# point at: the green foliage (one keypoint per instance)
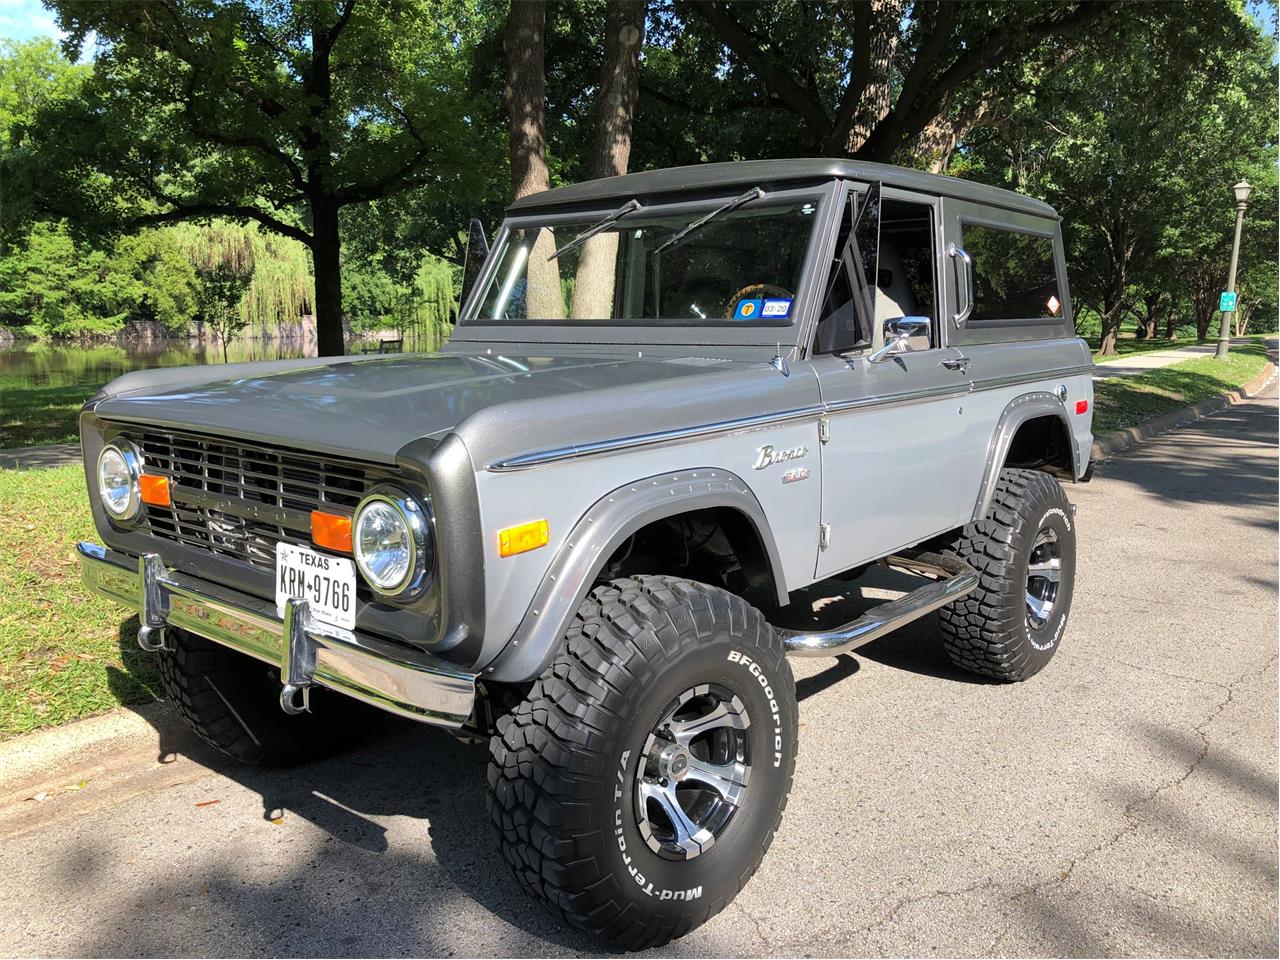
(51, 284)
(219, 294)
(281, 288)
(33, 75)
(1137, 146)
(422, 307)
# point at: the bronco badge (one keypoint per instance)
(769, 456)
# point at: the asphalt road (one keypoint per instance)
(1122, 802)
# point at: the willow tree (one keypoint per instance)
(280, 290)
(279, 113)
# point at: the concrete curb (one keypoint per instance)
(1117, 441)
(71, 769)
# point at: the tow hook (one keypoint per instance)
(299, 665)
(152, 639)
(151, 629)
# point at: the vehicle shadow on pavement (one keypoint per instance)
(1236, 468)
(371, 813)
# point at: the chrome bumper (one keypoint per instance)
(397, 679)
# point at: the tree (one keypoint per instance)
(221, 292)
(1126, 143)
(835, 67)
(282, 114)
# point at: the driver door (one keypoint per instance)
(894, 446)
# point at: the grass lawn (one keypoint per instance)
(64, 654)
(1123, 403)
(30, 416)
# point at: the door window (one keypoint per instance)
(893, 241)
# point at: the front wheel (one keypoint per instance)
(1024, 551)
(637, 787)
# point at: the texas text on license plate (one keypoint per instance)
(328, 583)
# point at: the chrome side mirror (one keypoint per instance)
(903, 335)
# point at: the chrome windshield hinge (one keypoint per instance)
(824, 429)
(824, 536)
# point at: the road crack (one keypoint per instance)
(1129, 814)
(1132, 823)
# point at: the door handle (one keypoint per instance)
(965, 275)
(960, 363)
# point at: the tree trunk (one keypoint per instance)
(1171, 323)
(940, 139)
(1112, 313)
(1244, 313)
(610, 149)
(877, 95)
(523, 42)
(326, 248)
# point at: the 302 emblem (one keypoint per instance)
(768, 455)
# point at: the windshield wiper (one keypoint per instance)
(755, 193)
(629, 207)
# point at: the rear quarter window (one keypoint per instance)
(1014, 275)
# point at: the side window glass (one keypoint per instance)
(1014, 275)
(905, 284)
(848, 307)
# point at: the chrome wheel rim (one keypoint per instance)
(1044, 577)
(693, 772)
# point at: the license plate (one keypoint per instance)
(328, 583)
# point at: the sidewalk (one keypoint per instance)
(1143, 362)
(31, 458)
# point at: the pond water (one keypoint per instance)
(27, 364)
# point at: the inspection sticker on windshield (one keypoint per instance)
(776, 309)
(328, 583)
(747, 309)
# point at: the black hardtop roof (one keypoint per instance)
(747, 173)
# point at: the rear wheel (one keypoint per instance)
(1024, 550)
(232, 702)
(637, 787)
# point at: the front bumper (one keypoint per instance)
(398, 679)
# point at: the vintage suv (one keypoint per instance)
(673, 399)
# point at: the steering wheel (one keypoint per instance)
(754, 291)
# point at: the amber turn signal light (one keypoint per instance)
(154, 490)
(524, 537)
(331, 531)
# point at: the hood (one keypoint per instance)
(367, 407)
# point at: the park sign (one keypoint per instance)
(1227, 301)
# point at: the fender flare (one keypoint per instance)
(1029, 406)
(597, 534)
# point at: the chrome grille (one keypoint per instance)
(238, 500)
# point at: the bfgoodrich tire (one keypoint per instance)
(637, 787)
(1024, 550)
(232, 702)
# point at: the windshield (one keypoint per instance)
(743, 267)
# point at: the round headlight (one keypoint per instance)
(118, 472)
(390, 539)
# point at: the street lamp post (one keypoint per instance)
(1242, 191)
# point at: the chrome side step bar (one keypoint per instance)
(954, 579)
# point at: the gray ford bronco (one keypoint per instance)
(672, 400)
